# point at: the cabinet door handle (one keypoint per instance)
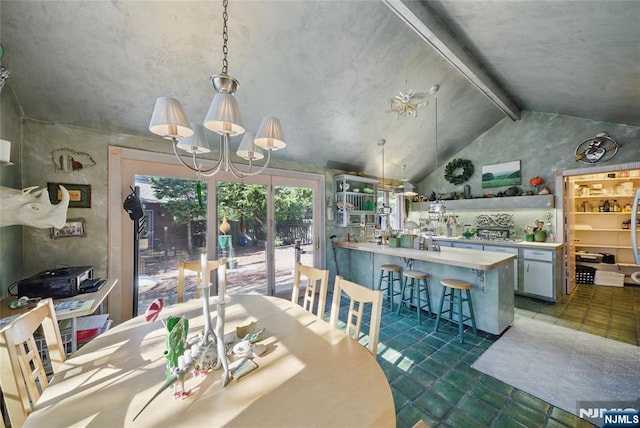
(527, 267)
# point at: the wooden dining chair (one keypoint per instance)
(316, 285)
(358, 295)
(196, 266)
(22, 372)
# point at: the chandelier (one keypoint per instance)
(170, 122)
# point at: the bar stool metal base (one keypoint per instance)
(453, 294)
(423, 285)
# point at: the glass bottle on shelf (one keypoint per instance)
(606, 206)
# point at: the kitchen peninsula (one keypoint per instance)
(491, 273)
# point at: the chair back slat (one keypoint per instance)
(220, 265)
(315, 285)
(358, 295)
(22, 375)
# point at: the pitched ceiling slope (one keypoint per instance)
(327, 69)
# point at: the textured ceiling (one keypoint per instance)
(327, 69)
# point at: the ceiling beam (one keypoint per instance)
(422, 20)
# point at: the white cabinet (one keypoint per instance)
(507, 250)
(355, 200)
(538, 276)
(467, 245)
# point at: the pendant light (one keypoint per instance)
(384, 210)
(436, 208)
(406, 189)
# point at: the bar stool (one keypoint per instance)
(390, 274)
(453, 294)
(423, 285)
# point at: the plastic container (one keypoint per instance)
(585, 274)
(612, 279)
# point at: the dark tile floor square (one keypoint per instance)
(431, 376)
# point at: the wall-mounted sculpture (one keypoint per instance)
(67, 160)
(31, 207)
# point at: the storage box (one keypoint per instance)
(585, 274)
(613, 279)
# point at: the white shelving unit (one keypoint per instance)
(593, 230)
(355, 200)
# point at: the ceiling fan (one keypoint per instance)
(408, 103)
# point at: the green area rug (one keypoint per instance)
(564, 367)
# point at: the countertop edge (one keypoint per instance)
(516, 244)
(447, 255)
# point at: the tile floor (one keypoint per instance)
(431, 377)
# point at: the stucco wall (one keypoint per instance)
(40, 139)
(543, 142)
(10, 236)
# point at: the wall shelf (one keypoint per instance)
(503, 203)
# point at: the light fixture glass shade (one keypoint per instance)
(248, 149)
(411, 225)
(223, 116)
(270, 135)
(407, 189)
(197, 143)
(168, 119)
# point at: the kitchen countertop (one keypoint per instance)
(471, 259)
(518, 244)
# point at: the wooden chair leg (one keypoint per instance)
(180, 284)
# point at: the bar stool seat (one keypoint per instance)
(390, 274)
(453, 294)
(423, 285)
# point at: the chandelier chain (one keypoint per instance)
(225, 38)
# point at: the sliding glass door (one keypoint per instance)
(242, 235)
(261, 224)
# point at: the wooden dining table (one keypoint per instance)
(311, 374)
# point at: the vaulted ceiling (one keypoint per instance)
(328, 69)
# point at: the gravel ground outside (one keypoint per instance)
(159, 275)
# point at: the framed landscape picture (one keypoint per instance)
(501, 174)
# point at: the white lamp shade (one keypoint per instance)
(5, 152)
(223, 116)
(248, 149)
(168, 119)
(196, 143)
(270, 136)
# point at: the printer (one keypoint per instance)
(55, 283)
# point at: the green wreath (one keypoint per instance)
(453, 166)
